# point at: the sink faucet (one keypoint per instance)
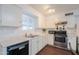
(26, 35)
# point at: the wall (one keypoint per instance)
(5, 30)
(51, 21)
(29, 9)
(25, 8)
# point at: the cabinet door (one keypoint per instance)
(71, 21)
(40, 43)
(34, 46)
(43, 41)
(30, 46)
(11, 15)
(50, 39)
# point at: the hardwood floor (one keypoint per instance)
(50, 50)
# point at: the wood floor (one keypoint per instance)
(50, 50)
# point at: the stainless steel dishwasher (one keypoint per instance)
(18, 49)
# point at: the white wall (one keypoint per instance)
(41, 18)
(25, 9)
(51, 22)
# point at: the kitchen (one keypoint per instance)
(25, 29)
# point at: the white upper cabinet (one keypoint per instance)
(10, 15)
(71, 21)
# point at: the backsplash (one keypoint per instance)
(6, 30)
(17, 31)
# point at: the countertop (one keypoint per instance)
(17, 37)
(11, 39)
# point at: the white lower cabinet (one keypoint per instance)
(36, 44)
(44, 41)
(30, 46)
(50, 39)
(39, 43)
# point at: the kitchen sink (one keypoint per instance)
(30, 36)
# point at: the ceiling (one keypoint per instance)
(59, 8)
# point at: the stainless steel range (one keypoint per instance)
(60, 38)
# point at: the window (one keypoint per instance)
(29, 22)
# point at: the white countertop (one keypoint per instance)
(13, 40)
(17, 37)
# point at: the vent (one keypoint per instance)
(69, 14)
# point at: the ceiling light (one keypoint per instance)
(46, 7)
(51, 10)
